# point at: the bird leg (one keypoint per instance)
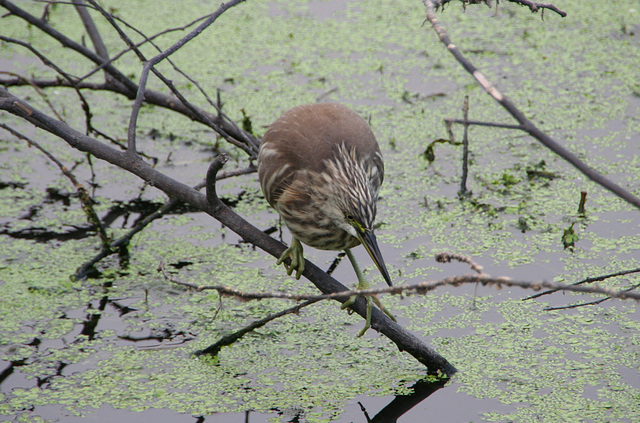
(297, 258)
(371, 299)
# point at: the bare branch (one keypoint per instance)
(233, 337)
(420, 288)
(49, 63)
(449, 257)
(68, 43)
(480, 123)
(535, 7)
(92, 30)
(123, 241)
(596, 302)
(525, 123)
(405, 341)
(145, 41)
(220, 124)
(149, 65)
(35, 86)
(246, 137)
(465, 149)
(587, 280)
(83, 195)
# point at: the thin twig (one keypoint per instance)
(581, 205)
(596, 302)
(449, 257)
(94, 34)
(535, 7)
(140, 44)
(233, 337)
(123, 241)
(127, 87)
(465, 148)
(68, 42)
(587, 280)
(35, 86)
(149, 66)
(83, 195)
(480, 123)
(248, 138)
(420, 288)
(68, 78)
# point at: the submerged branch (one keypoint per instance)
(532, 5)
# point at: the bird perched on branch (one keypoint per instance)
(321, 168)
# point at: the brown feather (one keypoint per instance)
(306, 136)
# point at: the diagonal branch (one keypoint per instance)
(68, 43)
(92, 30)
(525, 123)
(213, 206)
(83, 195)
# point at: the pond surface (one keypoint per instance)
(117, 346)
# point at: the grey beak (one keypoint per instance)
(368, 239)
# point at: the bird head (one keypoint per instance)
(352, 184)
(364, 233)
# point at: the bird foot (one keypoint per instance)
(297, 258)
(371, 299)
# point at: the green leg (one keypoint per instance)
(297, 258)
(371, 299)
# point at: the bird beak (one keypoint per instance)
(368, 239)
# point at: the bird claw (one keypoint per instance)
(383, 308)
(294, 252)
(371, 299)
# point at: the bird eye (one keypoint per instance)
(349, 217)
